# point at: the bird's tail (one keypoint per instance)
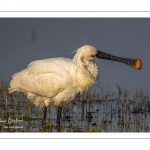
(11, 90)
(14, 83)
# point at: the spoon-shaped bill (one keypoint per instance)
(133, 62)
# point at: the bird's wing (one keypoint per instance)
(43, 77)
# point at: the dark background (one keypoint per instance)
(23, 40)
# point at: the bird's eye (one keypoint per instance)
(93, 55)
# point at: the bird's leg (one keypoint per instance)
(58, 115)
(45, 111)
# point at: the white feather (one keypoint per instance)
(57, 81)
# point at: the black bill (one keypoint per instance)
(133, 62)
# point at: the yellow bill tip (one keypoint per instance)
(138, 63)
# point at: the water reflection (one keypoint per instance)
(101, 112)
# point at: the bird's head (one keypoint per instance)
(86, 53)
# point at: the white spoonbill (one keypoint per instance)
(54, 82)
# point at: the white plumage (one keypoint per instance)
(55, 82)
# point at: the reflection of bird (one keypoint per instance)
(33, 35)
(54, 82)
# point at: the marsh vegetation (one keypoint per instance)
(99, 111)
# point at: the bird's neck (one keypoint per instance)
(85, 74)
